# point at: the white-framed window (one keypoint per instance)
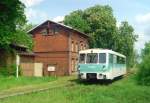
(72, 46)
(72, 65)
(84, 47)
(81, 46)
(56, 30)
(76, 47)
(44, 32)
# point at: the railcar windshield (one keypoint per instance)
(102, 58)
(82, 58)
(92, 58)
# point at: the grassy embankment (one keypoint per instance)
(13, 82)
(121, 91)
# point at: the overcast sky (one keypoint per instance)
(136, 12)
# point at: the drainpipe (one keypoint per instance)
(69, 60)
(17, 65)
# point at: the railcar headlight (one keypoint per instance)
(81, 74)
(78, 68)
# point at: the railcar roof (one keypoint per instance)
(98, 50)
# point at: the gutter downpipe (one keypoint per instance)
(69, 60)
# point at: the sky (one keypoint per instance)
(136, 12)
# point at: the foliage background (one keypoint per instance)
(100, 24)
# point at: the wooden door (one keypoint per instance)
(38, 69)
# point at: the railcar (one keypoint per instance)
(101, 64)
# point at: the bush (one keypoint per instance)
(9, 70)
(143, 74)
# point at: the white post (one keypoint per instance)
(17, 64)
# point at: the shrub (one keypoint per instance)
(143, 74)
(4, 71)
(9, 70)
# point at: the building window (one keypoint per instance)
(81, 46)
(84, 47)
(72, 65)
(50, 31)
(76, 47)
(45, 32)
(76, 63)
(72, 46)
(56, 30)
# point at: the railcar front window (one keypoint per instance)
(82, 58)
(102, 58)
(92, 58)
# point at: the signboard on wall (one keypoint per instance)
(51, 68)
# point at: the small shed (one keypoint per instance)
(21, 59)
(28, 66)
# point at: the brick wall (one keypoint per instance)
(54, 48)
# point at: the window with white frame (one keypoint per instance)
(72, 65)
(44, 32)
(56, 30)
(76, 47)
(72, 46)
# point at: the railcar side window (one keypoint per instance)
(102, 58)
(120, 60)
(123, 61)
(110, 58)
(115, 59)
(92, 58)
(82, 58)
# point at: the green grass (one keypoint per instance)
(121, 91)
(13, 82)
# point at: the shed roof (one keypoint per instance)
(27, 54)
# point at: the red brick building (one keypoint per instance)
(57, 46)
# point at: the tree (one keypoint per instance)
(143, 74)
(75, 19)
(21, 36)
(146, 50)
(11, 17)
(100, 24)
(125, 42)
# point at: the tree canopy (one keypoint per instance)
(12, 19)
(146, 50)
(143, 74)
(125, 42)
(100, 24)
(21, 36)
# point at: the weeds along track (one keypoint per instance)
(9, 93)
